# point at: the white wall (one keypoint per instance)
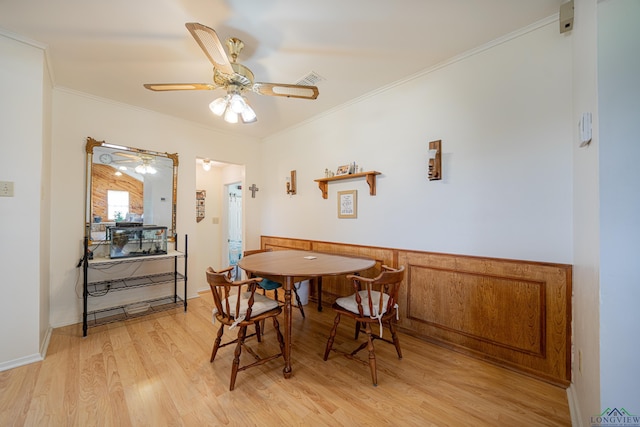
(22, 108)
(45, 209)
(585, 390)
(505, 120)
(77, 116)
(619, 109)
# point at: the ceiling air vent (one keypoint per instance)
(311, 79)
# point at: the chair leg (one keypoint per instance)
(276, 325)
(332, 336)
(372, 356)
(319, 286)
(216, 343)
(298, 301)
(394, 336)
(236, 356)
(259, 330)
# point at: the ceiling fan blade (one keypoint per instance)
(290, 91)
(210, 44)
(128, 155)
(161, 87)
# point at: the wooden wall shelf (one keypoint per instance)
(323, 183)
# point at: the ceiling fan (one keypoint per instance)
(234, 78)
(141, 163)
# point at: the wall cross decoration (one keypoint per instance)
(253, 190)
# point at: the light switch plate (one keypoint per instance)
(6, 189)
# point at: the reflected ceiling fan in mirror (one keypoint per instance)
(234, 78)
(139, 162)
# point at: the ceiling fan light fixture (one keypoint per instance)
(145, 169)
(235, 78)
(206, 165)
(230, 116)
(237, 103)
(248, 115)
(218, 106)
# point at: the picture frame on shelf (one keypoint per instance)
(343, 170)
(348, 204)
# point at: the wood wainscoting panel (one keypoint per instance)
(279, 243)
(478, 306)
(514, 313)
(510, 312)
(339, 286)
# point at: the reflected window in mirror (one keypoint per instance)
(129, 186)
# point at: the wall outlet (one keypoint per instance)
(6, 189)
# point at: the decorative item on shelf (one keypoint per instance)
(128, 240)
(137, 308)
(200, 196)
(343, 170)
(435, 160)
(291, 184)
(253, 190)
(348, 204)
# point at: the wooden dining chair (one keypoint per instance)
(271, 285)
(237, 305)
(373, 305)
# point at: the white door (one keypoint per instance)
(234, 222)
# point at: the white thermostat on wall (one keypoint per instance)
(584, 128)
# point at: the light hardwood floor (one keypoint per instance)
(155, 371)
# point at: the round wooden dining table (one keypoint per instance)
(294, 265)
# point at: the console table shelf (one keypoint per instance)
(323, 183)
(117, 314)
(100, 288)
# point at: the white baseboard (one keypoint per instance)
(574, 407)
(44, 345)
(5, 366)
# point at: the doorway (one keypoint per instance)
(233, 193)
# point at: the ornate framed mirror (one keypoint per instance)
(129, 186)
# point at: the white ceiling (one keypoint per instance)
(109, 48)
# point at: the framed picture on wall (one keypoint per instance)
(200, 196)
(348, 204)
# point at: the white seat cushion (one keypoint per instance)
(261, 304)
(349, 303)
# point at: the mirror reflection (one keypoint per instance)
(129, 187)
